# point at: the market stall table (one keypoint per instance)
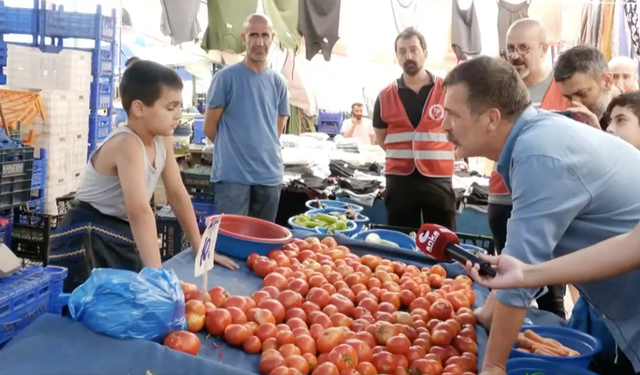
(56, 345)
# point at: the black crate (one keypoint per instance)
(465, 238)
(196, 180)
(65, 202)
(31, 233)
(16, 166)
(170, 235)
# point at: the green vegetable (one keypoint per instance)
(327, 218)
(389, 243)
(341, 225)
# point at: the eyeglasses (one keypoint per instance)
(522, 50)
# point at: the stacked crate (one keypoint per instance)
(63, 80)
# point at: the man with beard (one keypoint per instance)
(407, 121)
(358, 127)
(248, 109)
(526, 50)
(585, 80)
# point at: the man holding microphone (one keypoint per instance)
(572, 186)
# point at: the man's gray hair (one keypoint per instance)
(580, 59)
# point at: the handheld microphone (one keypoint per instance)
(442, 244)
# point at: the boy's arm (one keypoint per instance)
(129, 161)
(178, 197)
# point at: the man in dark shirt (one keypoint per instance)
(414, 198)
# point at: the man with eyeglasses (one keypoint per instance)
(526, 50)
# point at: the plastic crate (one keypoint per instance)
(37, 205)
(21, 107)
(170, 235)
(65, 202)
(197, 180)
(331, 128)
(31, 234)
(102, 63)
(26, 295)
(39, 172)
(101, 95)
(17, 20)
(99, 128)
(16, 165)
(465, 238)
(203, 209)
(6, 224)
(198, 130)
(57, 23)
(324, 116)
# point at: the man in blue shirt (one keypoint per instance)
(248, 109)
(572, 186)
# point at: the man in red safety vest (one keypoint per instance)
(407, 122)
(526, 50)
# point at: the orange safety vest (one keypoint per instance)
(425, 146)
(553, 100)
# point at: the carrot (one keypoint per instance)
(524, 342)
(537, 338)
(541, 351)
(562, 352)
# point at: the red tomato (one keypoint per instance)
(319, 296)
(236, 301)
(287, 350)
(384, 332)
(326, 368)
(420, 303)
(217, 321)
(344, 356)
(252, 345)
(299, 286)
(275, 307)
(269, 343)
(237, 316)
(264, 266)
(426, 366)
(441, 309)
(259, 296)
(416, 352)
(294, 323)
(306, 344)
(268, 364)
(363, 350)
(441, 337)
(384, 362)
(458, 300)
(263, 316)
(297, 362)
(218, 296)
(406, 297)
(367, 338)
(329, 339)
(236, 334)
(465, 345)
(195, 322)
(266, 331)
(285, 337)
(183, 341)
(309, 307)
(398, 345)
(275, 279)
(340, 320)
(370, 304)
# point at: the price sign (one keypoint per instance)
(204, 258)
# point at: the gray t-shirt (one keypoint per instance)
(538, 91)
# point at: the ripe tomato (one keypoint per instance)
(384, 331)
(194, 307)
(340, 320)
(285, 337)
(441, 337)
(236, 301)
(326, 368)
(236, 334)
(183, 341)
(426, 366)
(366, 368)
(263, 316)
(296, 323)
(252, 345)
(259, 296)
(415, 352)
(344, 356)
(218, 296)
(299, 286)
(406, 297)
(469, 332)
(217, 321)
(297, 362)
(370, 304)
(319, 296)
(458, 300)
(195, 322)
(264, 266)
(441, 309)
(266, 331)
(363, 350)
(367, 338)
(315, 330)
(269, 343)
(425, 344)
(329, 339)
(398, 344)
(384, 362)
(306, 344)
(465, 345)
(439, 270)
(275, 307)
(330, 310)
(268, 364)
(420, 303)
(275, 279)
(237, 316)
(287, 350)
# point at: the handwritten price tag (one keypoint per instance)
(204, 258)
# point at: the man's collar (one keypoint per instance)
(504, 161)
(402, 85)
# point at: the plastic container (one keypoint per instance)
(240, 236)
(586, 345)
(403, 240)
(352, 228)
(198, 130)
(531, 366)
(333, 204)
(361, 221)
(181, 140)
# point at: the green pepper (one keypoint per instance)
(327, 218)
(341, 225)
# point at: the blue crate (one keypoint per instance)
(39, 172)
(331, 128)
(26, 295)
(57, 23)
(17, 20)
(3, 54)
(101, 96)
(324, 116)
(203, 209)
(99, 128)
(198, 130)
(102, 63)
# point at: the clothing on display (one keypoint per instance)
(359, 186)
(310, 182)
(466, 40)
(226, 22)
(404, 13)
(549, 14)
(284, 15)
(319, 23)
(180, 20)
(508, 13)
(631, 13)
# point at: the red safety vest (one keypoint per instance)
(425, 146)
(553, 100)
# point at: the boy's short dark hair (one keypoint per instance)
(131, 61)
(144, 81)
(629, 100)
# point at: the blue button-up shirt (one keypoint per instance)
(573, 186)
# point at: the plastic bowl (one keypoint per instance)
(330, 203)
(293, 225)
(403, 240)
(352, 228)
(586, 345)
(240, 236)
(532, 366)
(361, 221)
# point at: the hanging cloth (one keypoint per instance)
(404, 13)
(585, 28)
(607, 30)
(631, 13)
(509, 13)
(465, 32)
(596, 25)
(319, 23)
(180, 20)
(549, 14)
(226, 19)
(284, 15)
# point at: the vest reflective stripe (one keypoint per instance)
(553, 100)
(425, 147)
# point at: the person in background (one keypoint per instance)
(247, 112)
(193, 108)
(358, 127)
(131, 61)
(572, 186)
(113, 210)
(121, 117)
(625, 73)
(624, 115)
(526, 50)
(407, 121)
(585, 80)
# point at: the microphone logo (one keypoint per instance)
(429, 239)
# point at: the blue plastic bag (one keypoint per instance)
(128, 305)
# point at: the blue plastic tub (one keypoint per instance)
(361, 221)
(586, 345)
(240, 236)
(352, 228)
(531, 366)
(403, 240)
(330, 203)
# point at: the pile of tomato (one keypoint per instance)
(326, 311)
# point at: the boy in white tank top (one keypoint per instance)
(119, 227)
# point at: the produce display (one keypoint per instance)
(323, 310)
(333, 221)
(531, 342)
(375, 239)
(317, 203)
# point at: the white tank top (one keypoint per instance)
(105, 194)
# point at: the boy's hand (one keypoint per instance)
(225, 262)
